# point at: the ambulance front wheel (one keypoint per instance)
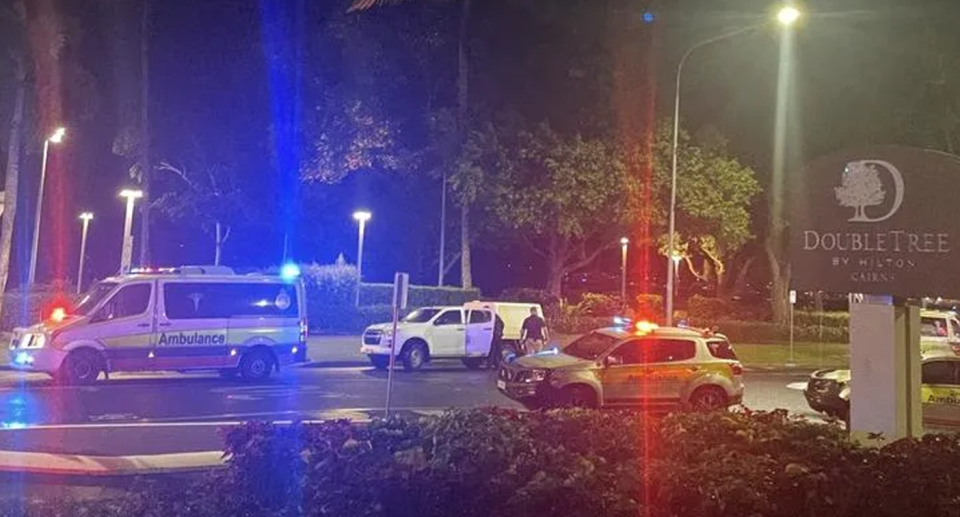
(82, 366)
(256, 365)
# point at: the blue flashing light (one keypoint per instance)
(23, 359)
(620, 321)
(13, 425)
(648, 17)
(290, 272)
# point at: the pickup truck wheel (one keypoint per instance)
(380, 362)
(415, 356)
(474, 363)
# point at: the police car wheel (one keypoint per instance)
(256, 366)
(81, 367)
(579, 397)
(708, 398)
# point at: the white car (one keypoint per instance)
(450, 332)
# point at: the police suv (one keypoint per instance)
(188, 318)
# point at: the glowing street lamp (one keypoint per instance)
(85, 219)
(361, 216)
(55, 138)
(624, 243)
(786, 17)
(126, 254)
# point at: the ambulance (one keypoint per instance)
(178, 319)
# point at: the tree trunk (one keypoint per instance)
(466, 273)
(780, 290)
(555, 271)
(218, 244)
(720, 275)
(145, 167)
(463, 77)
(11, 185)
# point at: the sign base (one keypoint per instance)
(885, 370)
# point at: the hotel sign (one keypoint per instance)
(877, 220)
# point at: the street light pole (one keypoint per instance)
(624, 242)
(126, 254)
(362, 216)
(55, 138)
(786, 16)
(85, 217)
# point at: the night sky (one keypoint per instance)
(211, 89)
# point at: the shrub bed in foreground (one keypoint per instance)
(572, 463)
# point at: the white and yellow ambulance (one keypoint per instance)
(188, 318)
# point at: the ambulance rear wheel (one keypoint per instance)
(81, 367)
(256, 366)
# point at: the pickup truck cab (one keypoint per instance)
(444, 332)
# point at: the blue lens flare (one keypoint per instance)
(290, 272)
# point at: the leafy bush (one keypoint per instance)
(495, 462)
(709, 308)
(418, 296)
(649, 306)
(600, 305)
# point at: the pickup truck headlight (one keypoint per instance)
(535, 375)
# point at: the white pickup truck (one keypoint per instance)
(450, 332)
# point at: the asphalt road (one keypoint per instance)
(169, 412)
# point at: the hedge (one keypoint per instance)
(491, 462)
(418, 295)
(760, 332)
(332, 291)
(24, 307)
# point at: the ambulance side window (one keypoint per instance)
(130, 300)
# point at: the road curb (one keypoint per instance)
(70, 465)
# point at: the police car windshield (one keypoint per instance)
(94, 296)
(421, 315)
(590, 346)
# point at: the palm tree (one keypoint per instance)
(463, 88)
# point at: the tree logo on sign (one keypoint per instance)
(861, 187)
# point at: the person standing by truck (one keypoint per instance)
(533, 333)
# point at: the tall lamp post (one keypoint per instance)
(126, 254)
(624, 243)
(54, 138)
(786, 16)
(361, 216)
(85, 219)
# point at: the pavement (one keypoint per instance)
(172, 422)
